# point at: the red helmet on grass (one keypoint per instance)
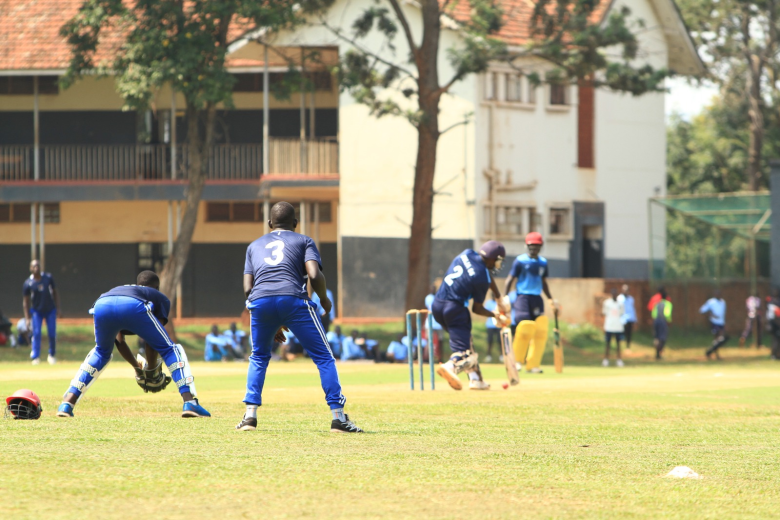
(23, 404)
(534, 238)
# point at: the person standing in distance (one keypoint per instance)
(467, 278)
(629, 313)
(275, 272)
(715, 308)
(41, 301)
(528, 277)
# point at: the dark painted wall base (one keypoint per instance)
(375, 272)
(627, 269)
(211, 283)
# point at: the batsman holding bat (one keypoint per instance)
(528, 277)
(468, 278)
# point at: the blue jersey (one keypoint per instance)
(161, 305)
(277, 261)
(40, 292)
(529, 273)
(466, 278)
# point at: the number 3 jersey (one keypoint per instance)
(466, 278)
(277, 261)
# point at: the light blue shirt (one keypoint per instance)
(629, 311)
(398, 350)
(529, 273)
(429, 305)
(335, 342)
(215, 347)
(716, 309)
(349, 350)
(234, 339)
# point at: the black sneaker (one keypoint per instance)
(347, 426)
(247, 424)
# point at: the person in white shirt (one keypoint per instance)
(629, 313)
(613, 325)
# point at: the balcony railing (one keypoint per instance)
(142, 162)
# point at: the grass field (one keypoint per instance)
(592, 442)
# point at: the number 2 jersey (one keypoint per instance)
(467, 278)
(277, 261)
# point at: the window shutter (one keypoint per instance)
(585, 126)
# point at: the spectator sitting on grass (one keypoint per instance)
(370, 347)
(22, 333)
(350, 349)
(397, 351)
(216, 346)
(236, 340)
(6, 334)
(335, 339)
(291, 348)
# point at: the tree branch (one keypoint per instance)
(365, 51)
(407, 30)
(454, 125)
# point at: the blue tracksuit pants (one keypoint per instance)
(300, 316)
(116, 313)
(37, 326)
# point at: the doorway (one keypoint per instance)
(592, 251)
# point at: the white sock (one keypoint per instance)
(251, 411)
(192, 401)
(473, 376)
(338, 413)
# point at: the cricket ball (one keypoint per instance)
(505, 386)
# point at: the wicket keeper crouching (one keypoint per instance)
(467, 277)
(133, 309)
(530, 272)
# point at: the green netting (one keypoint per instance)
(746, 214)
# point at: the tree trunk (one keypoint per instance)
(198, 151)
(756, 114)
(418, 279)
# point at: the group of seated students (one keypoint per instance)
(359, 346)
(231, 344)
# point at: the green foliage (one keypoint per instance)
(568, 34)
(183, 44)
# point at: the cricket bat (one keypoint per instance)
(558, 349)
(509, 356)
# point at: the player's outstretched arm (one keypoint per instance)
(124, 350)
(317, 280)
(510, 282)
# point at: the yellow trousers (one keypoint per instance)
(530, 342)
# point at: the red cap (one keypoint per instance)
(27, 395)
(534, 238)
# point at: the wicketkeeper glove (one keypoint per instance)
(152, 380)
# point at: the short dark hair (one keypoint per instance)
(147, 278)
(283, 213)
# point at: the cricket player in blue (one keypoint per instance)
(133, 309)
(41, 301)
(275, 279)
(468, 278)
(528, 277)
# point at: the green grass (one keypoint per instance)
(591, 442)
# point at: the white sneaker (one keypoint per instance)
(619, 362)
(519, 367)
(488, 359)
(476, 384)
(605, 363)
(536, 370)
(447, 372)
(52, 360)
(36, 361)
(500, 359)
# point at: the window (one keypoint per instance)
(51, 213)
(244, 212)
(511, 221)
(253, 82)
(514, 88)
(531, 93)
(152, 256)
(23, 85)
(491, 86)
(218, 212)
(20, 213)
(558, 94)
(560, 221)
